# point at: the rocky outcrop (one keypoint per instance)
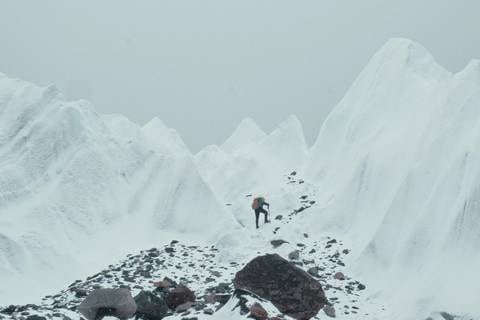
(289, 288)
(108, 302)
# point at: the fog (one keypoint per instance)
(202, 66)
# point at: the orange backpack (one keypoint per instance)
(255, 204)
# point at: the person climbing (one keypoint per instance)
(257, 206)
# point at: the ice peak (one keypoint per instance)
(292, 122)
(400, 53)
(471, 71)
(155, 122)
(247, 131)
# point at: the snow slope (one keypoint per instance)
(253, 166)
(396, 166)
(78, 189)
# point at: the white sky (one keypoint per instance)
(202, 66)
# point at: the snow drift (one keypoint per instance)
(78, 189)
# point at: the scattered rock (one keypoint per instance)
(9, 310)
(294, 255)
(329, 311)
(289, 288)
(339, 276)
(447, 316)
(277, 243)
(208, 311)
(35, 317)
(80, 293)
(115, 302)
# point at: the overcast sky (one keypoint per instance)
(202, 66)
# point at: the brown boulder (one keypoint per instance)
(289, 288)
(178, 296)
(257, 312)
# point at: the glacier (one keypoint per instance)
(394, 173)
(78, 189)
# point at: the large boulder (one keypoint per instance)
(108, 302)
(178, 296)
(150, 307)
(289, 288)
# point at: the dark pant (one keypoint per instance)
(257, 214)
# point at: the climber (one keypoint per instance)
(257, 206)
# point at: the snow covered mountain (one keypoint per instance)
(394, 175)
(396, 164)
(72, 179)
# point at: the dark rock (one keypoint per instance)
(35, 317)
(184, 307)
(9, 310)
(313, 271)
(361, 286)
(257, 312)
(115, 302)
(447, 316)
(289, 288)
(80, 293)
(279, 217)
(277, 243)
(242, 301)
(165, 283)
(222, 287)
(329, 311)
(294, 255)
(339, 276)
(178, 296)
(150, 307)
(208, 311)
(153, 254)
